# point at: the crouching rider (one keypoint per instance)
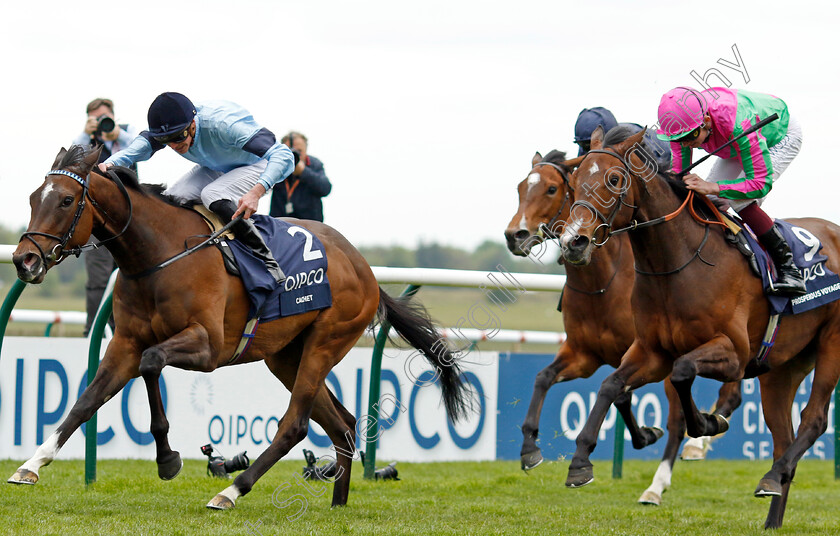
(747, 170)
(238, 161)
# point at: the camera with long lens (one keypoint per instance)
(219, 467)
(104, 125)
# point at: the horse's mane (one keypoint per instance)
(620, 133)
(555, 157)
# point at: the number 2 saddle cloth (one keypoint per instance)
(302, 258)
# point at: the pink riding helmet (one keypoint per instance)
(681, 110)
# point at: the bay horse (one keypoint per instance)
(698, 310)
(597, 317)
(191, 315)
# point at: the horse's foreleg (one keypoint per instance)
(580, 470)
(706, 360)
(188, 349)
(676, 430)
(567, 365)
(111, 376)
(729, 399)
(640, 436)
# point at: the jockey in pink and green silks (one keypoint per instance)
(747, 169)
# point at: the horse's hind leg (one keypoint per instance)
(322, 350)
(337, 422)
(779, 386)
(813, 423)
(188, 349)
(116, 369)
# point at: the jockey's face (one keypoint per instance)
(183, 146)
(704, 132)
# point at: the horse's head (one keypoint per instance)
(59, 220)
(544, 202)
(607, 185)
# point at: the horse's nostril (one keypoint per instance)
(30, 260)
(580, 242)
(521, 234)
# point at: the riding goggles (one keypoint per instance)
(178, 137)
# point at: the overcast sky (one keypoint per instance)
(425, 114)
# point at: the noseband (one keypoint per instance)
(58, 253)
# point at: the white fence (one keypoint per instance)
(389, 275)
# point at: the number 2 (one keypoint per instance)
(309, 254)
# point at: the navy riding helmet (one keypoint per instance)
(588, 120)
(170, 113)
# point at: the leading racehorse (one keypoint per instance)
(597, 318)
(191, 315)
(699, 310)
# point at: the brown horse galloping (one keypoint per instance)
(597, 317)
(191, 315)
(699, 310)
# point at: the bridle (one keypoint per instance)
(607, 221)
(58, 253)
(545, 229)
(635, 224)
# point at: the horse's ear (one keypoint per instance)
(58, 158)
(536, 159)
(627, 144)
(574, 162)
(91, 159)
(597, 140)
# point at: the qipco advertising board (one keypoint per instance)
(237, 409)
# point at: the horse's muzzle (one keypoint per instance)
(30, 267)
(517, 242)
(578, 251)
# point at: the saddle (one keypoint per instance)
(214, 222)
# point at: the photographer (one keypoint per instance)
(101, 129)
(300, 196)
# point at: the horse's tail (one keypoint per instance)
(413, 323)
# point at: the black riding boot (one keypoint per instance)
(247, 233)
(789, 282)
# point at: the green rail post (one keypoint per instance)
(373, 390)
(618, 448)
(96, 332)
(836, 432)
(8, 305)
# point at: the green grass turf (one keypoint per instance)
(707, 498)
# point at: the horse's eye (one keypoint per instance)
(67, 201)
(614, 180)
(552, 190)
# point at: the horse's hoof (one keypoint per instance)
(169, 469)
(722, 422)
(649, 497)
(23, 476)
(531, 460)
(649, 436)
(580, 477)
(220, 502)
(691, 453)
(768, 487)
